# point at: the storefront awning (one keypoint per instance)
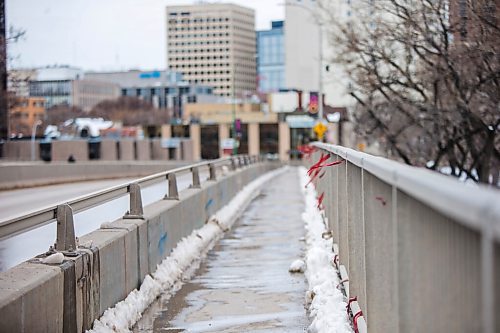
(302, 121)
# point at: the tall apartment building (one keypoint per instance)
(213, 44)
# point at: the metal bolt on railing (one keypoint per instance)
(65, 229)
(213, 175)
(196, 178)
(173, 193)
(136, 210)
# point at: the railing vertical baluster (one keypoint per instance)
(136, 210)
(213, 175)
(196, 177)
(233, 164)
(173, 193)
(65, 229)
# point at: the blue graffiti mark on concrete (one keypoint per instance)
(161, 243)
(210, 202)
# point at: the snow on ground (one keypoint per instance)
(328, 307)
(126, 313)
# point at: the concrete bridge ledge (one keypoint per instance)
(29, 294)
(69, 297)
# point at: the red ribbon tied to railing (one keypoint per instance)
(307, 150)
(320, 200)
(315, 170)
(355, 320)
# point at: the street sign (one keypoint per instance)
(320, 130)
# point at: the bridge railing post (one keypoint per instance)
(65, 229)
(136, 210)
(196, 177)
(233, 164)
(173, 193)
(212, 172)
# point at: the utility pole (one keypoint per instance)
(4, 112)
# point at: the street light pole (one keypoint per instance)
(33, 134)
(320, 74)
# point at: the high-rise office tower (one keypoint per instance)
(213, 44)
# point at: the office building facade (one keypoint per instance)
(67, 86)
(271, 58)
(302, 42)
(215, 45)
(163, 89)
(307, 30)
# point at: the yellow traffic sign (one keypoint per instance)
(320, 129)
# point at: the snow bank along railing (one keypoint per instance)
(112, 261)
(421, 250)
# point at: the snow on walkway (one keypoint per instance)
(126, 313)
(328, 307)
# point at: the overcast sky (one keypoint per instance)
(103, 34)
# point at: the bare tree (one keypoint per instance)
(131, 111)
(427, 86)
(58, 114)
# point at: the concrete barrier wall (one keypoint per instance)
(16, 175)
(157, 152)
(20, 150)
(109, 151)
(70, 296)
(143, 150)
(126, 150)
(61, 150)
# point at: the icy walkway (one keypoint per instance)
(244, 285)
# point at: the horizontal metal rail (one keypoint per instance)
(477, 207)
(411, 238)
(17, 225)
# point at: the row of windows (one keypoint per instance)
(35, 104)
(189, 50)
(222, 87)
(189, 58)
(195, 43)
(205, 72)
(50, 88)
(197, 20)
(246, 31)
(206, 27)
(210, 80)
(226, 34)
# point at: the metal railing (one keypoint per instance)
(63, 213)
(422, 250)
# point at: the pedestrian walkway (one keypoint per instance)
(244, 285)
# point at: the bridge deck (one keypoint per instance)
(244, 285)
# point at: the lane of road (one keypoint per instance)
(19, 202)
(22, 201)
(14, 203)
